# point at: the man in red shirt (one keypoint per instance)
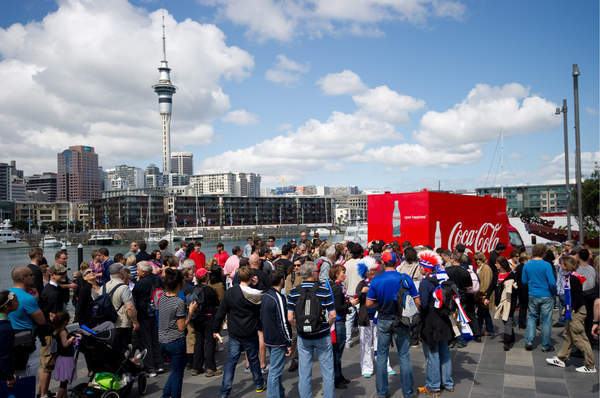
(198, 257)
(221, 254)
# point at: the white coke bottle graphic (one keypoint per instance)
(396, 221)
(438, 235)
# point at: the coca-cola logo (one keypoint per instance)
(482, 240)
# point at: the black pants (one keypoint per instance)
(123, 338)
(470, 312)
(147, 336)
(204, 339)
(523, 306)
(589, 319)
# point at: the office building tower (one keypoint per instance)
(78, 174)
(182, 163)
(45, 182)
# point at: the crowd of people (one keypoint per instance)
(307, 297)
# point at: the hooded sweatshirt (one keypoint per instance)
(241, 305)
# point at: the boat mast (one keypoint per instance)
(502, 165)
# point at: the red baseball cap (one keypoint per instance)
(201, 272)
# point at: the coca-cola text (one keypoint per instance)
(482, 240)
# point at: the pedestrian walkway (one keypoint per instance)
(481, 370)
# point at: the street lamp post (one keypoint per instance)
(564, 112)
(578, 154)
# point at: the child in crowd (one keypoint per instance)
(65, 369)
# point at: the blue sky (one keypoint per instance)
(397, 97)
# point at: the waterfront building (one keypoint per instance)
(17, 191)
(42, 184)
(228, 183)
(182, 163)
(535, 199)
(165, 90)
(338, 191)
(77, 174)
(5, 185)
(51, 211)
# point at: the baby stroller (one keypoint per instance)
(112, 372)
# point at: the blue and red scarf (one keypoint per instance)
(568, 299)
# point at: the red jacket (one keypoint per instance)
(199, 259)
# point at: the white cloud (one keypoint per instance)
(334, 167)
(483, 114)
(240, 117)
(387, 105)
(517, 156)
(591, 111)
(285, 19)
(84, 72)
(286, 71)
(313, 146)
(346, 82)
(285, 126)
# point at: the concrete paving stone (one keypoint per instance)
(548, 371)
(544, 387)
(520, 370)
(488, 381)
(519, 392)
(519, 381)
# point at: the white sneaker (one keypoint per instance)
(585, 369)
(152, 374)
(265, 370)
(556, 362)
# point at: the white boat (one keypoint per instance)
(194, 235)
(324, 232)
(50, 241)
(226, 236)
(65, 242)
(357, 233)
(153, 237)
(101, 239)
(8, 239)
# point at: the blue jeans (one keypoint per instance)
(176, 350)
(338, 351)
(438, 371)
(277, 359)
(306, 350)
(560, 303)
(540, 307)
(402, 338)
(352, 311)
(250, 345)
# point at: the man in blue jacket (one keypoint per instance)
(276, 331)
(538, 275)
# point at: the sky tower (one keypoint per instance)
(165, 90)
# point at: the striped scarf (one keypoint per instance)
(568, 298)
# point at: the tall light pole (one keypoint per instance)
(578, 154)
(564, 112)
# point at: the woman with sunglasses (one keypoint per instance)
(87, 293)
(8, 303)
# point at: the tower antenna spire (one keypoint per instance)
(163, 37)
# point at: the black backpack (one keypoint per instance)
(408, 313)
(197, 295)
(448, 290)
(102, 307)
(310, 315)
(264, 267)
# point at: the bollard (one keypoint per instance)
(79, 253)
(63, 248)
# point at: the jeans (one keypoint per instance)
(352, 311)
(338, 351)
(203, 330)
(250, 345)
(176, 350)
(306, 350)
(277, 359)
(540, 307)
(438, 370)
(560, 303)
(402, 338)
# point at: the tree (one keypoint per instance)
(21, 225)
(590, 203)
(55, 225)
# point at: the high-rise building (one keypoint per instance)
(78, 174)
(228, 183)
(5, 171)
(182, 163)
(133, 175)
(46, 182)
(152, 170)
(102, 176)
(165, 90)
(14, 172)
(18, 193)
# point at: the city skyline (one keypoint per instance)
(395, 102)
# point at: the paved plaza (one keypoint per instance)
(481, 370)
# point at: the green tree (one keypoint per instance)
(55, 225)
(590, 203)
(21, 225)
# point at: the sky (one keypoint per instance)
(394, 95)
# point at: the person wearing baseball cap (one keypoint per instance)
(382, 295)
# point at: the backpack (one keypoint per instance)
(197, 295)
(444, 294)
(265, 266)
(154, 299)
(475, 280)
(309, 313)
(102, 307)
(408, 313)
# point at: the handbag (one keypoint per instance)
(23, 347)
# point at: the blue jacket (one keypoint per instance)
(106, 270)
(538, 275)
(276, 329)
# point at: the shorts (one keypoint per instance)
(47, 360)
